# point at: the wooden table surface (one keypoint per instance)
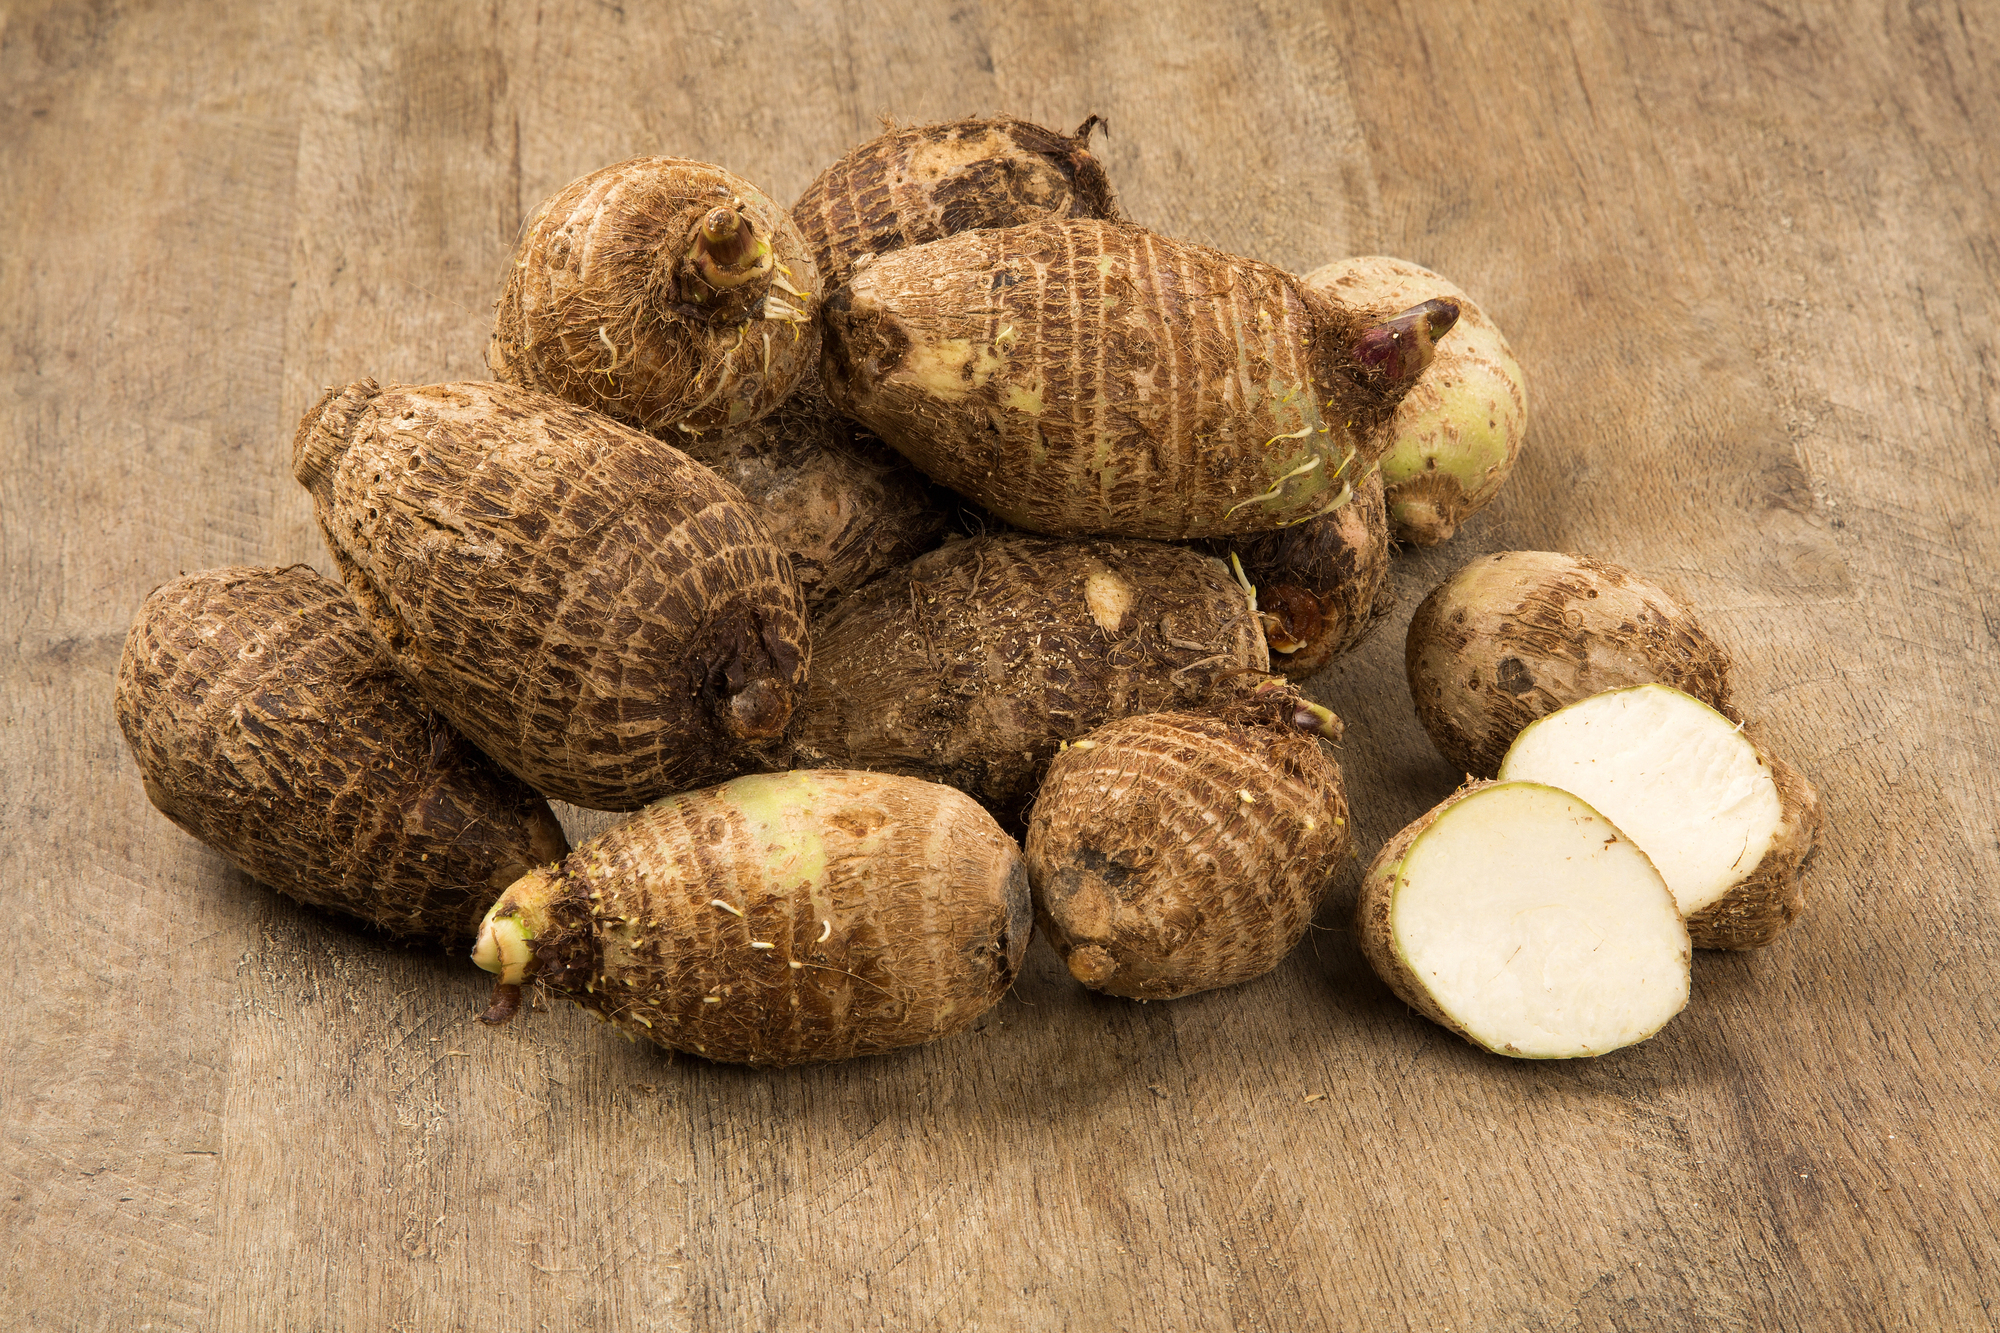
(1747, 256)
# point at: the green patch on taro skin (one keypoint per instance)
(777, 806)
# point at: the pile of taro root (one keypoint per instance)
(931, 564)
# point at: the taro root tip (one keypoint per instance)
(1318, 719)
(1399, 348)
(503, 946)
(327, 430)
(726, 252)
(724, 236)
(757, 712)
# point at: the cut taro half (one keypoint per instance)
(1525, 921)
(1728, 825)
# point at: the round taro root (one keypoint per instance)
(1728, 824)
(1322, 586)
(843, 505)
(909, 186)
(1176, 852)
(1457, 433)
(1516, 635)
(776, 919)
(1080, 376)
(1526, 922)
(974, 662)
(600, 613)
(267, 723)
(672, 295)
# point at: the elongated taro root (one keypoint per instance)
(1177, 852)
(843, 505)
(267, 723)
(672, 295)
(776, 919)
(1728, 824)
(971, 665)
(927, 182)
(1516, 635)
(1322, 585)
(1455, 437)
(1527, 923)
(602, 614)
(1090, 377)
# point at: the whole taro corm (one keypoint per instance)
(670, 294)
(602, 614)
(268, 723)
(910, 186)
(1081, 377)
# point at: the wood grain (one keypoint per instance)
(1748, 259)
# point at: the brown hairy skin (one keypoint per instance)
(895, 912)
(1373, 927)
(1322, 586)
(844, 506)
(1081, 376)
(267, 723)
(606, 306)
(600, 613)
(971, 665)
(1755, 911)
(927, 182)
(1178, 852)
(1514, 636)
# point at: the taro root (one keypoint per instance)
(1455, 436)
(972, 664)
(600, 613)
(1514, 636)
(1081, 376)
(1176, 852)
(267, 723)
(1322, 585)
(843, 505)
(672, 295)
(1728, 824)
(1526, 922)
(927, 182)
(776, 919)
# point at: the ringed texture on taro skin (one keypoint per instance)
(670, 294)
(927, 182)
(1079, 376)
(974, 662)
(1181, 851)
(600, 613)
(776, 919)
(268, 723)
(844, 506)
